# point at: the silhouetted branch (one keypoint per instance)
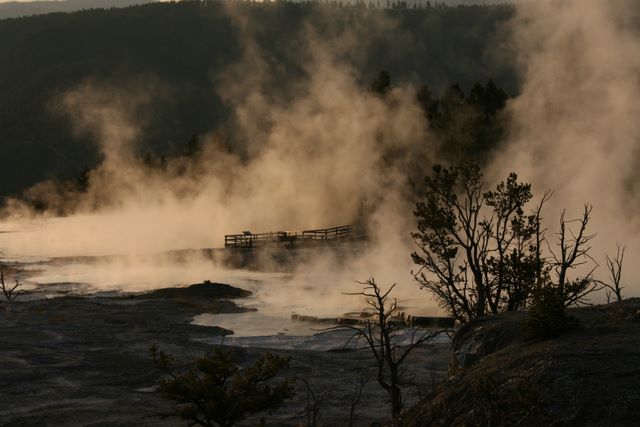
(379, 332)
(614, 266)
(11, 292)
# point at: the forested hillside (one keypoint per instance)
(183, 47)
(16, 9)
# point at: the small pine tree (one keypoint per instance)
(217, 392)
(548, 316)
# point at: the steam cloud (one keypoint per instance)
(308, 161)
(309, 158)
(575, 127)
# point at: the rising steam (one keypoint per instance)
(307, 159)
(575, 127)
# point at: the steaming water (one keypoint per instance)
(70, 255)
(319, 340)
(275, 296)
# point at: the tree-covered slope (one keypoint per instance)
(16, 9)
(183, 47)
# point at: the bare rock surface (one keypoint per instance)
(589, 376)
(84, 361)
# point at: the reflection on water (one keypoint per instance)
(311, 339)
(256, 324)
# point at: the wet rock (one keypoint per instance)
(73, 361)
(206, 290)
(80, 360)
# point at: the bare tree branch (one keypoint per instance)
(614, 266)
(380, 334)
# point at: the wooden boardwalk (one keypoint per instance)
(251, 240)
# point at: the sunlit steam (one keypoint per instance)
(307, 161)
(575, 127)
(309, 158)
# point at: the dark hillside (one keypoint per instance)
(587, 377)
(182, 47)
(16, 9)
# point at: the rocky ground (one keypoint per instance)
(589, 376)
(85, 361)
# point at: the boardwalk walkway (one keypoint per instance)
(251, 240)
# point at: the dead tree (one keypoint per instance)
(379, 333)
(11, 292)
(314, 403)
(548, 316)
(614, 266)
(356, 396)
(573, 252)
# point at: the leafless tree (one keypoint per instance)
(572, 252)
(548, 316)
(314, 403)
(434, 377)
(427, 387)
(614, 266)
(356, 396)
(379, 332)
(11, 292)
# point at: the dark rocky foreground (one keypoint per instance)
(85, 361)
(587, 377)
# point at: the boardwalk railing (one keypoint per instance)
(328, 233)
(249, 240)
